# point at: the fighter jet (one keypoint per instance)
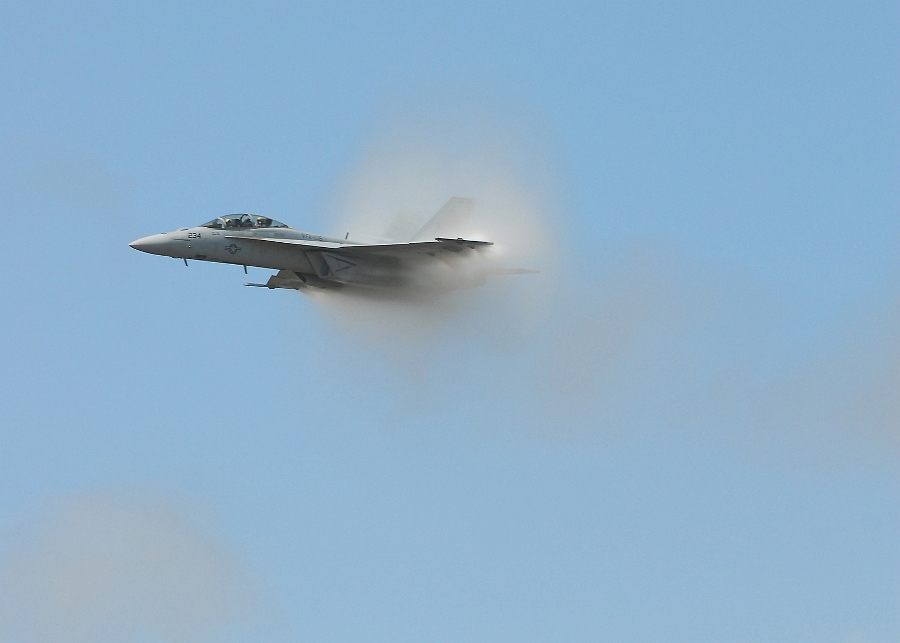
(304, 260)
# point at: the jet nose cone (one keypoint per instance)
(154, 244)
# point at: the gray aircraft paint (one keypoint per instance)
(307, 260)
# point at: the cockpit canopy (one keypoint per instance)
(243, 221)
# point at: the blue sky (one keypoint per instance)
(686, 430)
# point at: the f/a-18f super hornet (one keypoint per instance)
(305, 260)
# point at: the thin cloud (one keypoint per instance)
(102, 567)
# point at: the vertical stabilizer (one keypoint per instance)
(448, 222)
(403, 226)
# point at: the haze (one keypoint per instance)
(684, 427)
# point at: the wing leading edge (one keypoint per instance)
(395, 249)
(331, 264)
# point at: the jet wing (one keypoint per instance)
(440, 244)
(310, 245)
(378, 264)
(399, 250)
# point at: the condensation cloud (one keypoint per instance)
(632, 339)
(403, 176)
